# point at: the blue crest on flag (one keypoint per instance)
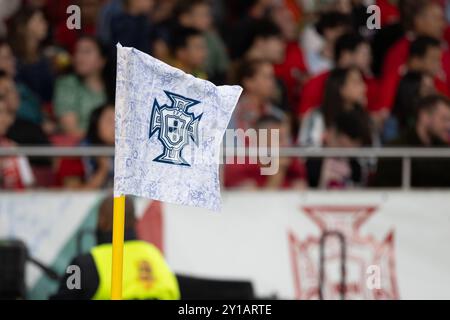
(175, 126)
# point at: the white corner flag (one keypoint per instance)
(169, 127)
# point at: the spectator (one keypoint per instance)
(431, 130)
(54, 10)
(162, 19)
(266, 43)
(29, 30)
(91, 173)
(24, 132)
(360, 16)
(349, 130)
(20, 131)
(350, 50)
(249, 12)
(258, 80)
(331, 25)
(15, 171)
(30, 107)
(99, 173)
(7, 59)
(345, 90)
(413, 86)
(419, 18)
(107, 12)
(293, 70)
(197, 14)
(424, 56)
(77, 94)
(189, 51)
(148, 275)
(7, 9)
(284, 55)
(423, 17)
(291, 171)
(131, 27)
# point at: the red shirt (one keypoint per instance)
(390, 85)
(235, 175)
(15, 172)
(291, 70)
(396, 57)
(394, 68)
(389, 11)
(68, 167)
(314, 89)
(312, 93)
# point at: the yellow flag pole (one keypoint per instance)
(117, 247)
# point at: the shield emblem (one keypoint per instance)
(175, 125)
(175, 129)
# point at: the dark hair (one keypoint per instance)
(106, 213)
(3, 74)
(347, 42)
(410, 9)
(333, 102)
(429, 103)
(102, 47)
(92, 135)
(247, 69)
(181, 36)
(185, 6)
(408, 95)
(420, 46)
(257, 29)
(331, 20)
(17, 36)
(243, 7)
(3, 42)
(264, 28)
(354, 124)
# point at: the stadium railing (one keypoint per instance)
(406, 154)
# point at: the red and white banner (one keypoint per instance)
(395, 244)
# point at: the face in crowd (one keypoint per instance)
(106, 126)
(195, 52)
(88, 59)
(262, 82)
(436, 123)
(5, 118)
(7, 60)
(431, 21)
(354, 89)
(9, 94)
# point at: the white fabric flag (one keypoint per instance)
(169, 127)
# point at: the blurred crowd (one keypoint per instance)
(312, 69)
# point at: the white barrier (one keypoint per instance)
(397, 240)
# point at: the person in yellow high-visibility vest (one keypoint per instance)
(146, 275)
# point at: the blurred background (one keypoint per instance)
(362, 109)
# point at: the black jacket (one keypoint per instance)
(89, 275)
